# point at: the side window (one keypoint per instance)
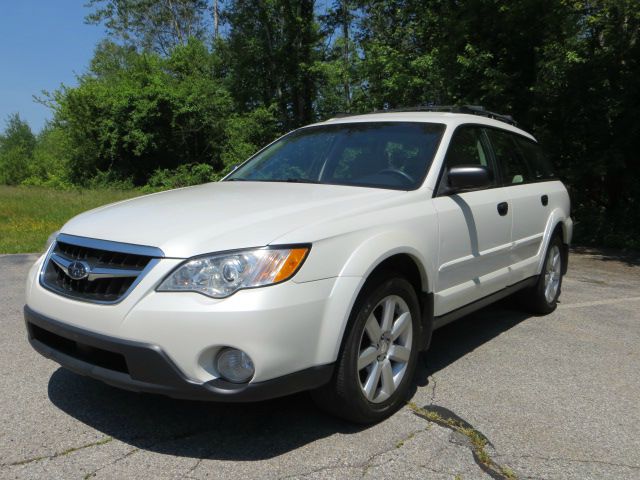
(510, 161)
(538, 163)
(467, 147)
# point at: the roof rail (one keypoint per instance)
(344, 114)
(469, 109)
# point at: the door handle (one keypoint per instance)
(503, 208)
(545, 200)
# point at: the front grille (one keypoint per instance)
(108, 289)
(86, 353)
(102, 257)
(112, 269)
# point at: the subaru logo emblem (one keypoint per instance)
(78, 270)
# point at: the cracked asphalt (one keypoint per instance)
(556, 397)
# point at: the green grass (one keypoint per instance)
(28, 215)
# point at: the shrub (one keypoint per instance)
(108, 180)
(182, 176)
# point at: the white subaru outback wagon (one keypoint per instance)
(322, 263)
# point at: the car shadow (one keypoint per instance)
(224, 431)
(455, 340)
(252, 431)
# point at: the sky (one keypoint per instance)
(43, 43)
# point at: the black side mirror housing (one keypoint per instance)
(467, 177)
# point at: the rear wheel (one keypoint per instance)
(377, 362)
(543, 297)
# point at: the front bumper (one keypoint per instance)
(144, 367)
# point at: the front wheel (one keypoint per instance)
(377, 362)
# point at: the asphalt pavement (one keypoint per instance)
(553, 397)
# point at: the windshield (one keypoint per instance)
(392, 155)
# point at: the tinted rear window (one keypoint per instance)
(539, 164)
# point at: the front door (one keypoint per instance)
(474, 229)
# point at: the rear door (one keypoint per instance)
(474, 231)
(529, 201)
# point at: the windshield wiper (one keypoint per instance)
(296, 180)
(280, 180)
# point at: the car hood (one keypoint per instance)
(222, 216)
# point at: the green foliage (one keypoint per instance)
(247, 133)
(183, 176)
(16, 151)
(338, 68)
(139, 112)
(243, 136)
(108, 180)
(49, 163)
(157, 25)
(135, 113)
(587, 94)
(271, 51)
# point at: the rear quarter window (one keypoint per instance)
(539, 164)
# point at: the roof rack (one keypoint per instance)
(469, 109)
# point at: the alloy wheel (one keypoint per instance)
(553, 273)
(385, 348)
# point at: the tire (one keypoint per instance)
(377, 361)
(542, 298)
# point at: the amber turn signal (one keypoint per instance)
(290, 265)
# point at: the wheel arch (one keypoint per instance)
(411, 269)
(558, 224)
(405, 261)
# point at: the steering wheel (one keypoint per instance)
(395, 171)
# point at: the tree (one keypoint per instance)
(151, 25)
(588, 96)
(339, 65)
(17, 144)
(49, 165)
(271, 51)
(136, 112)
(216, 20)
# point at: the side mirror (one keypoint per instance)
(468, 177)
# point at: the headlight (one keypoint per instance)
(221, 275)
(51, 239)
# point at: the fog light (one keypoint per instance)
(234, 365)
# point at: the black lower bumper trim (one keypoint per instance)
(143, 367)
